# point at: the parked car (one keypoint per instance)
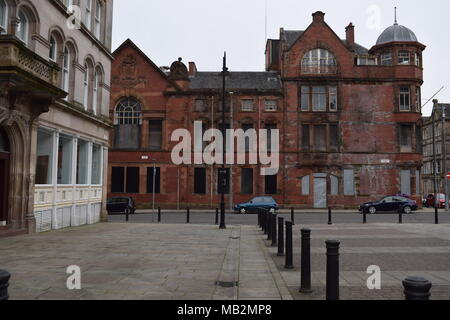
(121, 205)
(265, 203)
(390, 204)
(429, 201)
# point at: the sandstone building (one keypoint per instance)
(54, 100)
(349, 121)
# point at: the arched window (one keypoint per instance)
(23, 27)
(95, 93)
(128, 112)
(53, 49)
(66, 71)
(319, 61)
(128, 120)
(3, 17)
(86, 86)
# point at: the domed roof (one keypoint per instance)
(397, 33)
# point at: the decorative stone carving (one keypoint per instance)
(129, 77)
(178, 70)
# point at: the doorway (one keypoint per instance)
(4, 177)
(320, 193)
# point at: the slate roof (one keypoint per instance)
(236, 80)
(290, 36)
(396, 33)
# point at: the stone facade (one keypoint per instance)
(54, 113)
(428, 154)
(348, 117)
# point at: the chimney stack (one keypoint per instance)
(319, 17)
(350, 35)
(192, 69)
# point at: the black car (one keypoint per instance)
(390, 204)
(121, 205)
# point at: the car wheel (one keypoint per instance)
(372, 210)
(243, 211)
(407, 210)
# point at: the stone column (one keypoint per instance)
(105, 175)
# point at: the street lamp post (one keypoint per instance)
(222, 176)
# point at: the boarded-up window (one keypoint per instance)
(132, 180)
(200, 181)
(349, 182)
(419, 141)
(247, 181)
(305, 185)
(406, 182)
(334, 188)
(156, 175)
(269, 128)
(155, 130)
(118, 180)
(334, 138)
(305, 138)
(271, 184)
(405, 138)
(320, 140)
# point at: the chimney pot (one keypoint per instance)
(192, 69)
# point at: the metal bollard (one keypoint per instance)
(269, 225)
(400, 217)
(274, 230)
(293, 216)
(127, 215)
(305, 280)
(417, 288)
(289, 254)
(332, 269)
(364, 217)
(188, 215)
(264, 221)
(217, 216)
(4, 284)
(280, 237)
(159, 215)
(436, 215)
(330, 219)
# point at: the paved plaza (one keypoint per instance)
(199, 262)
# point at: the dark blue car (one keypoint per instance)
(265, 203)
(390, 204)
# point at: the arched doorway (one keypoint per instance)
(4, 176)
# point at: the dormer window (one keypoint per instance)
(403, 57)
(319, 61)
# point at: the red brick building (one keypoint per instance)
(349, 121)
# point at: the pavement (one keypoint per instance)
(145, 261)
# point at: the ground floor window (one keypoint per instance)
(117, 180)
(305, 185)
(44, 161)
(153, 174)
(65, 150)
(132, 180)
(349, 182)
(405, 177)
(96, 165)
(271, 184)
(247, 181)
(200, 181)
(82, 162)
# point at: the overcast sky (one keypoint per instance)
(201, 30)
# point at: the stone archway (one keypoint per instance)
(4, 177)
